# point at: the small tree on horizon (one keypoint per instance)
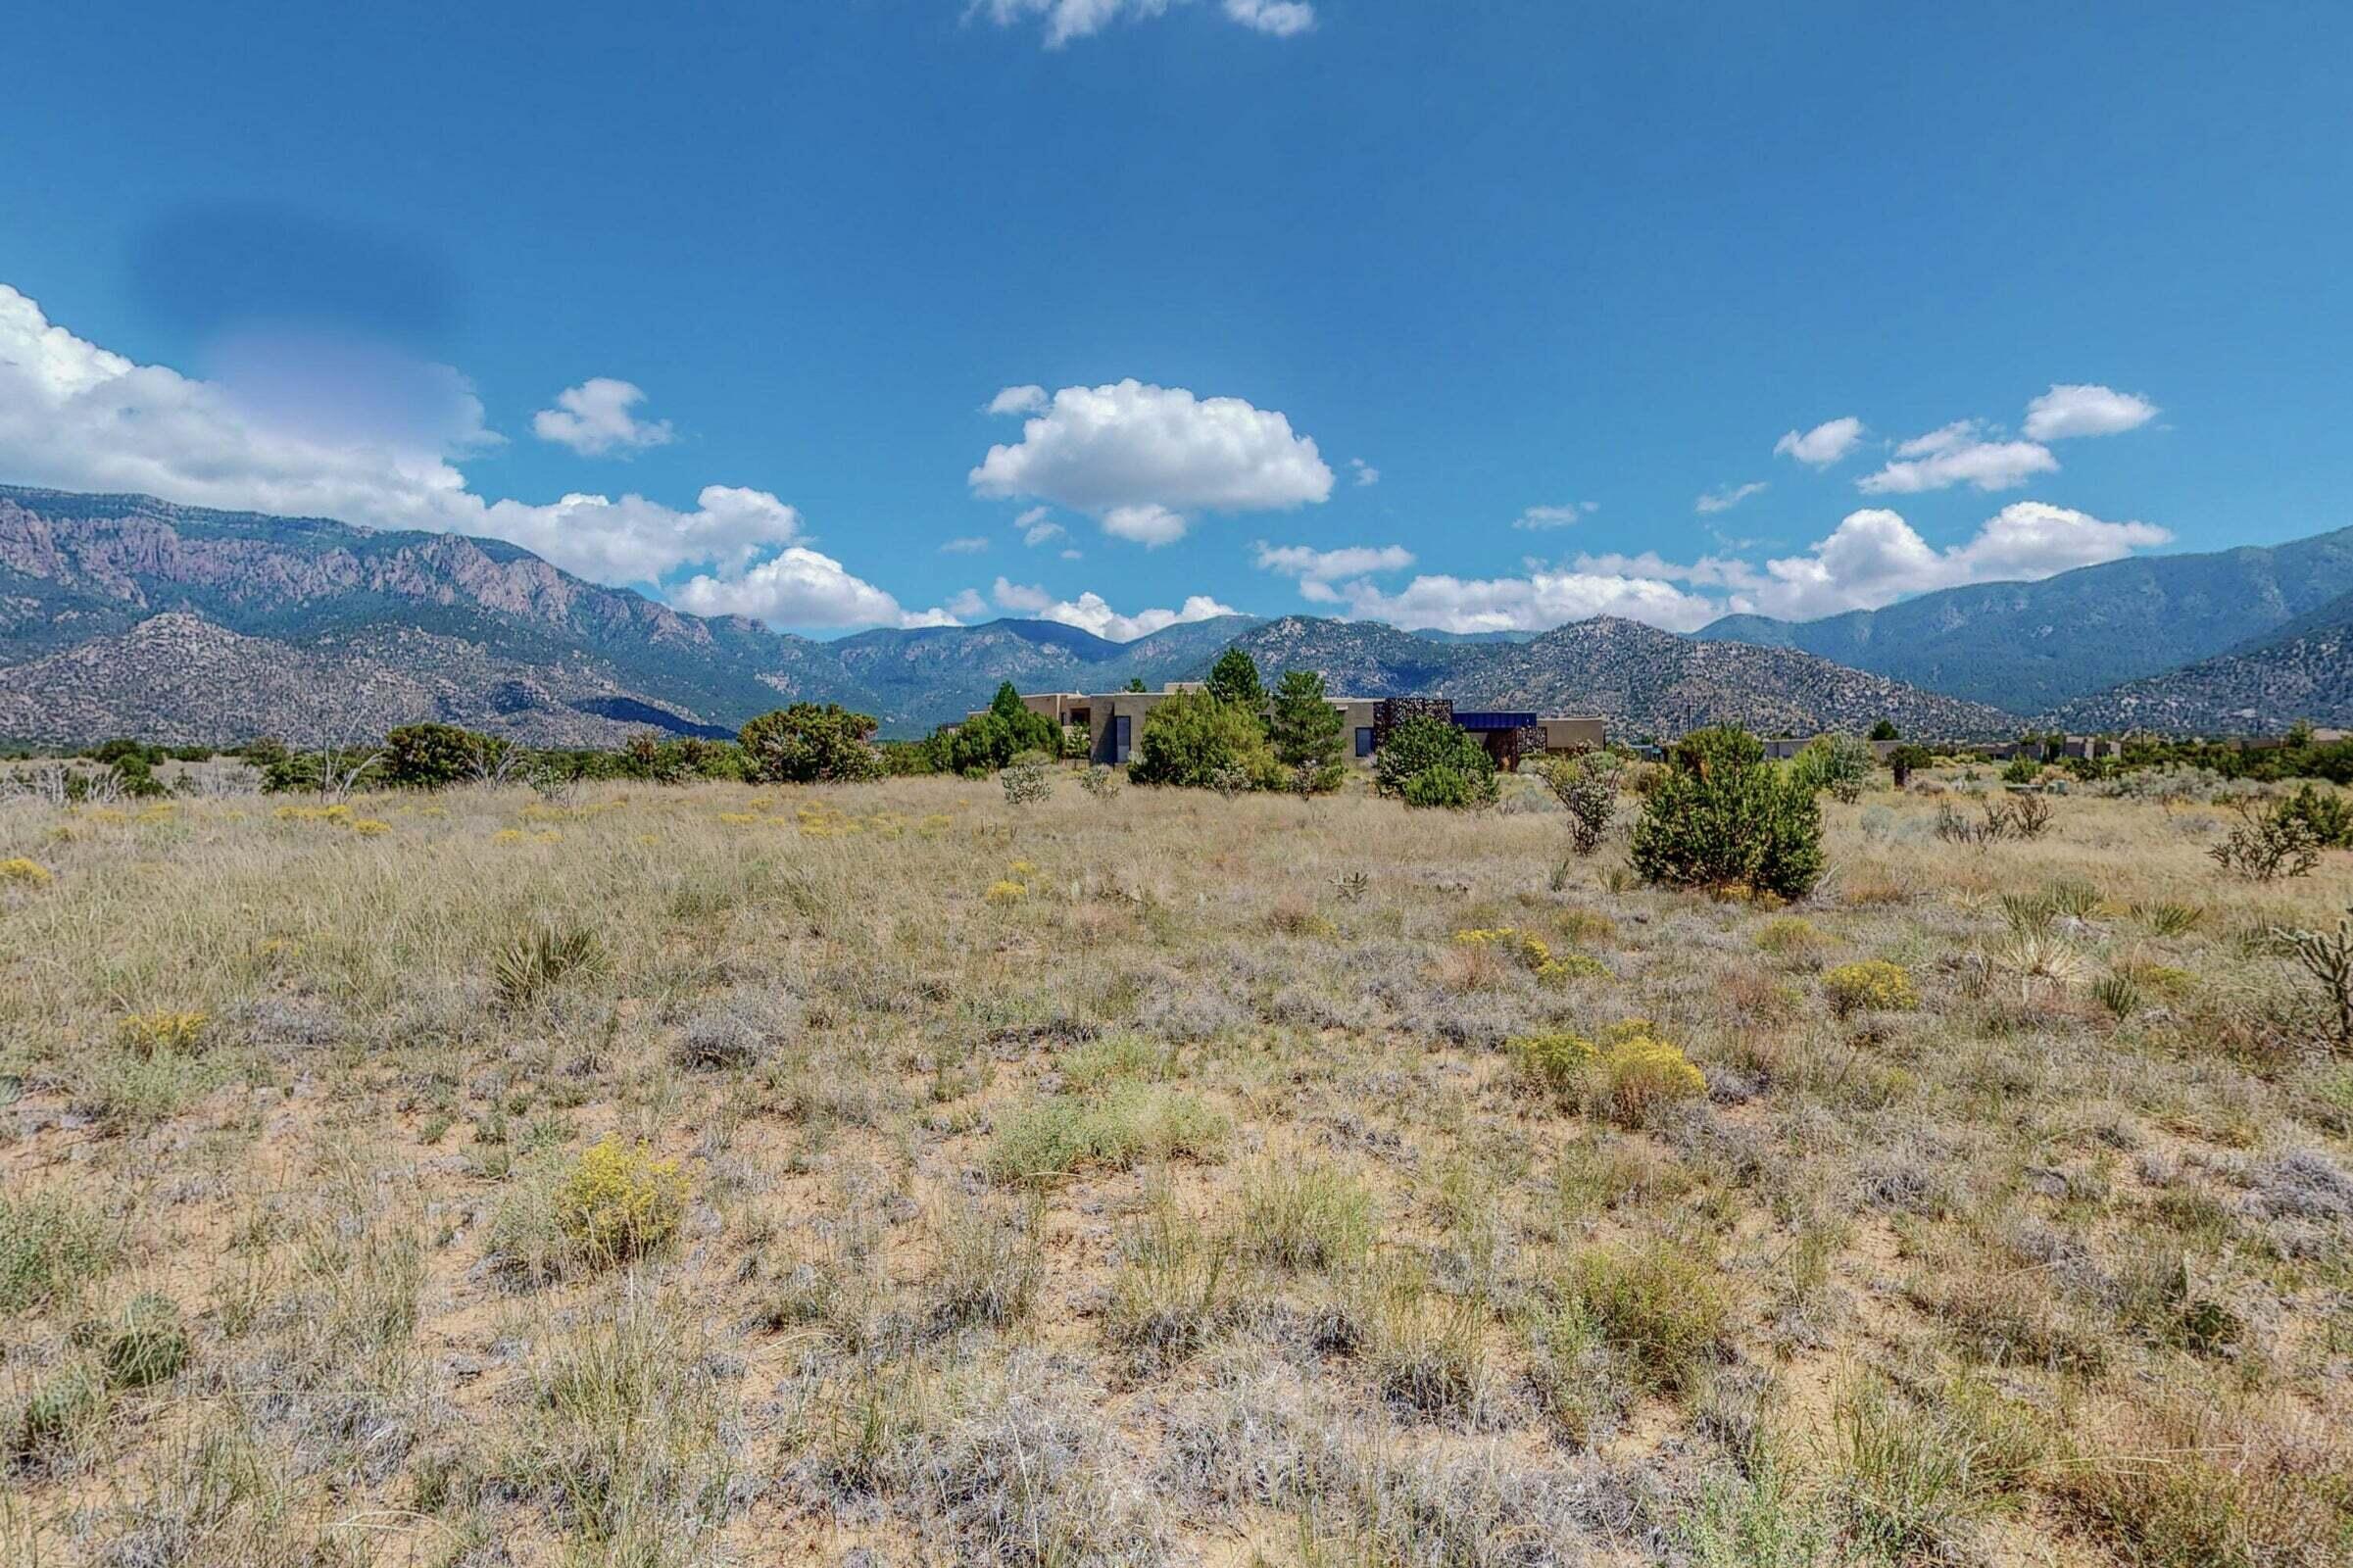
(1885, 730)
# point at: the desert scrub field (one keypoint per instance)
(892, 1174)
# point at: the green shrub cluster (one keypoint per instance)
(1428, 761)
(1724, 817)
(1838, 764)
(1197, 741)
(811, 743)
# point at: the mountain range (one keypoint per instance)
(123, 614)
(2032, 648)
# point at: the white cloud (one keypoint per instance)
(1366, 474)
(1874, 558)
(1090, 613)
(1318, 570)
(970, 546)
(967, 604)
(2073, 409)
(1021, 601)
(594, 418)
(1019, 400)
(79, 418)
(1534, 603)
(1065, 19)
(799, 587)
(1281, 19)
(1708, 572)
(1035, 529)
(1727, 498)
(1148, 526)
(1143, 457)
(1555, 516)
(1959, 453)
(1823, 445)
(636, 540)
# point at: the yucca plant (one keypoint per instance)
(2118, 993)
(543, 955)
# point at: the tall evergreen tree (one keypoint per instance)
(1307, 730)
(1234, 678)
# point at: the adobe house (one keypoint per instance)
(1115, 722)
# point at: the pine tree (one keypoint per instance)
(1307, 730)
(1234, 678)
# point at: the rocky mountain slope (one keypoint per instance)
(1641, 678)
(78, 568)
(2302, 671)
(2027, 647)
(180, 679)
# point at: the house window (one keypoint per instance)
(1119, 736)
(1365, 741)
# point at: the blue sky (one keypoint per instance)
(1457, 310)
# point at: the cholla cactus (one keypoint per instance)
(2327, 956)
(1026, 783)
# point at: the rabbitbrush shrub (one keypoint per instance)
(1873, 986)
(617, 1202)
(1627, 1074)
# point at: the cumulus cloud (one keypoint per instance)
(2073, 409)
(1318, 570)
(1065, 19)
(1874, 558)
(799, 587)
(1823, 445)
(594, 418)
(967, 604)
(1555, 516)
(1143, 458)
(1541, 600)
(1726, 498)
(1960, 453)
(1366, 474)
(1090, 613)
(77, 416)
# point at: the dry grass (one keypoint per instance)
(721, 1175)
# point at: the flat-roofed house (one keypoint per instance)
(1114, 723)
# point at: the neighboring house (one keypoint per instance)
(1115, 722)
